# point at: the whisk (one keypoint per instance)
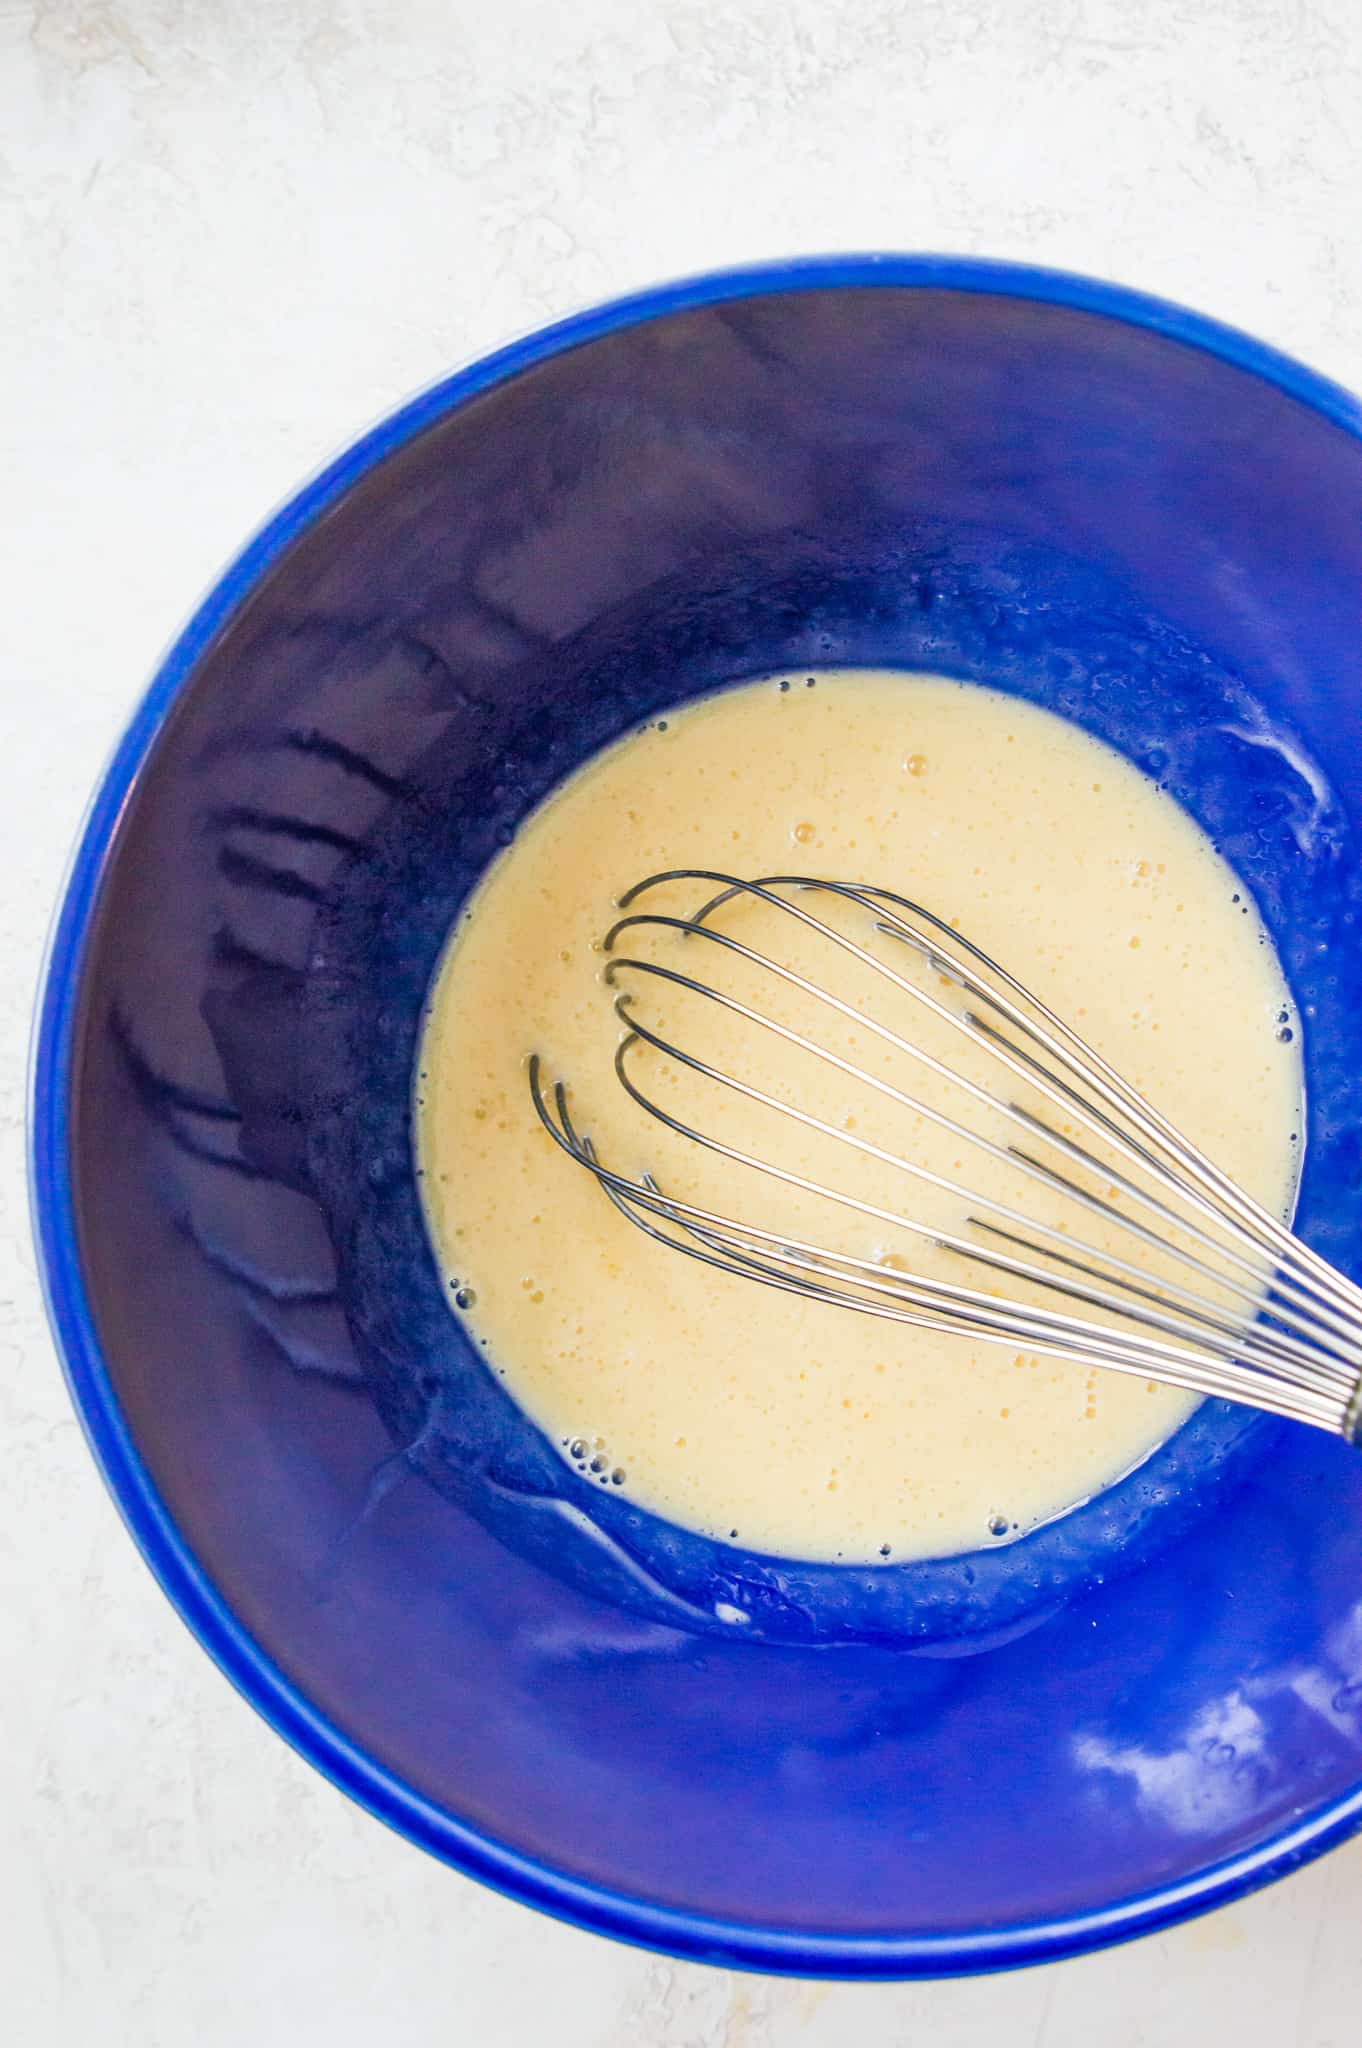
(1194, 1283)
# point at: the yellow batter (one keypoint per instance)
(785, 1425)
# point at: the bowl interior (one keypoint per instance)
(892, 1769)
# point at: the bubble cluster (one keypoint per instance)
(593, 1460)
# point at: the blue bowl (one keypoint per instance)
(1105, 504)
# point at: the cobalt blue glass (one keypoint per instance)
(1105, 504)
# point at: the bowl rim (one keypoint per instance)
(284, 1705)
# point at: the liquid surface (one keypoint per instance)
(786, 1425)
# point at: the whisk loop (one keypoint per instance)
(1208, 1292)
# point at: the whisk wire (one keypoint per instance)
(944, 1308)
(1250, 1290)
(1296, 1348)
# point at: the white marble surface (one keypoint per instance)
(231, 231)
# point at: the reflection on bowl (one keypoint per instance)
(1090, 499)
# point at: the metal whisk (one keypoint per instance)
(1195, 1283)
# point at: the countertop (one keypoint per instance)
(231, 233)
